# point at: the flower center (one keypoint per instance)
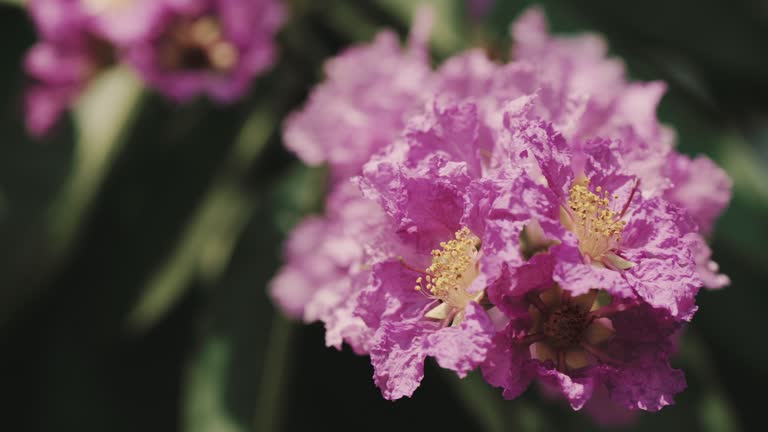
(590, 217)
(198, 44)
(101, 55)
(566, 330)
(454, 267)
(564, 326)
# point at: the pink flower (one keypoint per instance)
(524, 217)
(608, 234)
(586, 95)
(213, 47)
(579, 345)
(426, 301)
(180, 47)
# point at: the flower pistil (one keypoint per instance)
(568, 330)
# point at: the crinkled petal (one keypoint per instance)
(576, 389)
(606, 412)
(577, 276)
(401, 347)
(390, 295)
(643, 378)
(649, 386)
(426, 203)
(451, 130)
(699, 186)
(665, 275)
(461, 348)
(539, 140)
(709, 271)
(361, 107)
(508, 366)
(291, 290)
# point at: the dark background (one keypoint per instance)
(137, 240)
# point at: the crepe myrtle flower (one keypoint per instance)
(586, 94)
(579, 345)
(213, 47)
(69, 54)
(429, 303)
(427, 298)
(609, 235)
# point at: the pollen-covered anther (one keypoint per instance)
(590, 217)
(454, 267)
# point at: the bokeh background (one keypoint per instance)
(136, 242)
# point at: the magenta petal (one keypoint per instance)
(576, 389)
(508, 366)
(649, 386)
(573, 274)
(699, 186)
(427, 203)
(361, 106)
(451, 130)
(398, 359)
(461, 348)
(665, 274)
(606, 412)
(709, 271)
(401, 347)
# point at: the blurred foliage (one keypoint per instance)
(139, 238)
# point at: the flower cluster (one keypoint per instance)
(531, 219)
(182, 48)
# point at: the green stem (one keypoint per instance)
(269, 404)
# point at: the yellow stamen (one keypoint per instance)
(454, 267)
(598, 227)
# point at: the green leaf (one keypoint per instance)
(248, 340)
(494, 413)
(209, 239)
(50, 185)
(482, 401)
(18, 3)
(276, 364)
(205, 391)
(102, 115)
(715, 412)
(449, 34)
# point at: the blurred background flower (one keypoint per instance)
(140, 233)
